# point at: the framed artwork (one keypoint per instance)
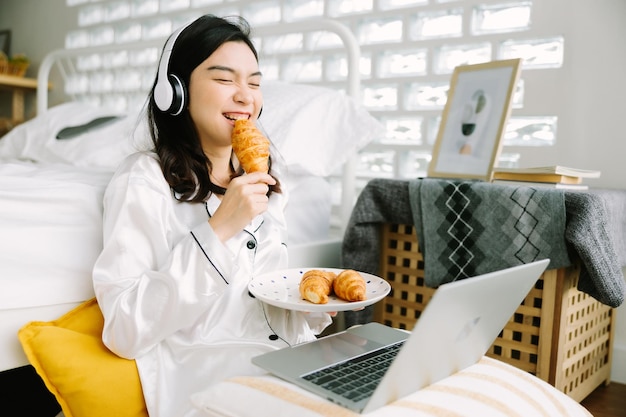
(474, 119)
(5, 42)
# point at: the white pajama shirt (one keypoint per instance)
(175, 298)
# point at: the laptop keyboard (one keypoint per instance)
(356, 378)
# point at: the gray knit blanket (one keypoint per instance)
(467, 228)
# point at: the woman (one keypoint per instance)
(185, 230)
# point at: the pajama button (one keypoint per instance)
(273, 337)
(251, 244)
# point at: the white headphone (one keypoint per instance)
(169, 91)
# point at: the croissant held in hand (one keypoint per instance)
(350, 286)
(251, 147)
(316, 285)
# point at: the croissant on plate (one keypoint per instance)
(251, 147)
(349, 285)
(316, 285)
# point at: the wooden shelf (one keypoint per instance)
(11, 81)
(18, 86)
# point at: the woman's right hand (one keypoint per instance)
(245, 198)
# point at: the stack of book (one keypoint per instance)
(555, 176)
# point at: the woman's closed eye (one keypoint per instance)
(254, 85)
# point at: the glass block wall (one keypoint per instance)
(409, 50)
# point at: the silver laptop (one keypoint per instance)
(455, 330)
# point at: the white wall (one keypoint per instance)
(590, 99)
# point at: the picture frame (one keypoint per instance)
(474, 119)
(5, 42)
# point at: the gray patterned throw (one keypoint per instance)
(472, 227)
(468, 228)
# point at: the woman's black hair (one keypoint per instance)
(185, 166)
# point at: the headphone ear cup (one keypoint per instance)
(179, 95)
(163, 95)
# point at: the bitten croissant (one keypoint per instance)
(251, 147)
(349, 285)
(316, 285)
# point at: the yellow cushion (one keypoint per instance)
(86, 378)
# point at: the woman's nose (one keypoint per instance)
(243, 95)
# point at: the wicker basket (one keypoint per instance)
(14, 69)
(558, 333)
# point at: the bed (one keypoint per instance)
(51, 188)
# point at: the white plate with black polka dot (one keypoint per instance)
(281, 289)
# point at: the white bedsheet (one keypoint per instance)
(51, 223)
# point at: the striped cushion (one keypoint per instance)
(488, 388)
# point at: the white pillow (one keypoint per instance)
(101, 147)
(314, 128)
